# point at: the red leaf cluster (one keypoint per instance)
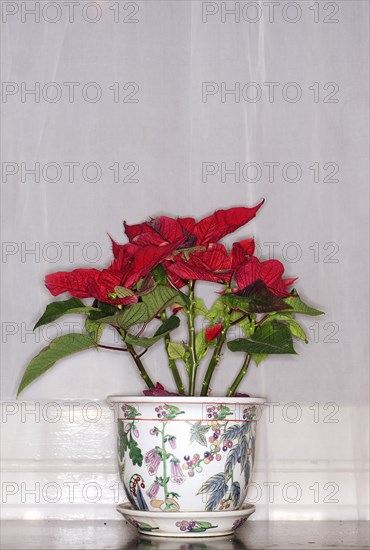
(187, 249)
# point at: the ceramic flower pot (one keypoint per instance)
(186, 454)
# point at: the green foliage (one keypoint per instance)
(94, 329)
(161, 297)
(272, 337)
(297, 306)
(123, 292)
(170, 324)
(294, 327)
(201, 345)
(217, 311)
(176, 351)
(259, 357)
(200, 307)
(66, 307)
(133, 314)
(256, 298)
(58, 349)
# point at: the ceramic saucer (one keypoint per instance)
(186, 524)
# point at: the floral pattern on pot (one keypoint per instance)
(238, 442)
(162, 457)
(190, 457)
(238, 522)
(140, 525)
(135, 495)
(195, 526)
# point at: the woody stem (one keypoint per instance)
(243, 371)
(193, 358)
(144, 375)
(172, 362)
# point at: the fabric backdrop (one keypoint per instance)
(122, 110)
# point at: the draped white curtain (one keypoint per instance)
(121, 110)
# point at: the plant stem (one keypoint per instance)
(144, 375)
(243, 371)
(217, 352)
(111, 347)
(172, 362)
(191, 328)
(213, 362)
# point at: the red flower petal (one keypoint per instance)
(104, 284)
(270, 272)
(213, 332)
(133, 231)
(222, 222)
(240, 252)
(158, 391)
(169, 229)
(188, 271)
(247, 273)
(212, 264)
(159, 231)
(145, 259)
(75, 282)
(187, 223)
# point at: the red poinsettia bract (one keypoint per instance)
(270, 272)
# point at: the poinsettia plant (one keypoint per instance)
(150, 287)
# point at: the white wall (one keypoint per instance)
(318, 227)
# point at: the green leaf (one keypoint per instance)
(94, 329)
(201, 345)
(259, 357)
(160, 298)
(123, 292)
(108, 309)
(133, 314)
(243, 322)
(159, 274)
(216, 312)
(141, 341)
(200, 307)
(255, 298)
(58, 349)
(169, 324)
(56, 309)
(103, 310)
(176, 351)
(294, 327)
(297, 330)
(274, 337)
(297, 306)
(135, 453)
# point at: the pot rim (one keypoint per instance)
(126, 507)
(186, 400)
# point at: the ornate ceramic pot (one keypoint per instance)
(179, 454)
